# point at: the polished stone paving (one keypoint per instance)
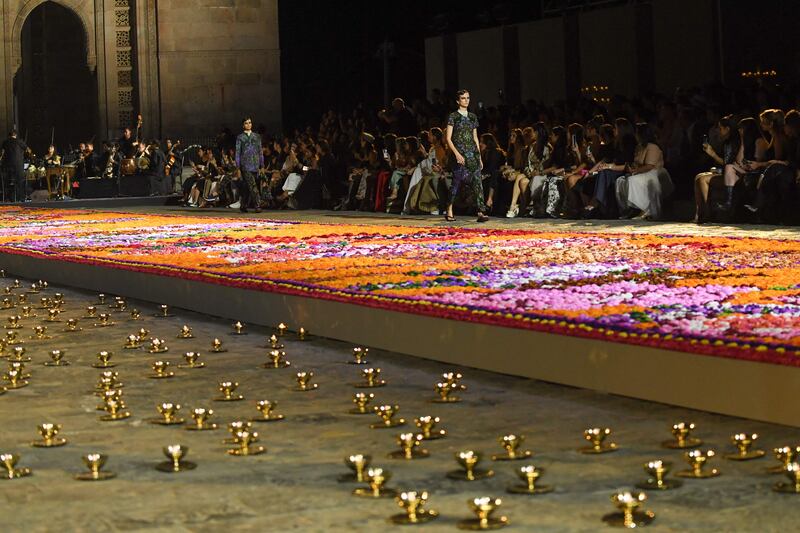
(294, 486)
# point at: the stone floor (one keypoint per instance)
(294, 486)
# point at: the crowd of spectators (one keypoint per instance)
(735, 152)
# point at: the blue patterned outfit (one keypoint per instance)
(249, 158)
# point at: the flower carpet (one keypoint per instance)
(725, 296)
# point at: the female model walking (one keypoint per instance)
(462, 139)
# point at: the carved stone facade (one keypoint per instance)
(187, 67)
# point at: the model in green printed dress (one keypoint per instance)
(462, 138)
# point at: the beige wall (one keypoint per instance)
(219, 60)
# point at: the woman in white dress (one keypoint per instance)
(649, 183)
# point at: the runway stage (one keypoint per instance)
(705, 320)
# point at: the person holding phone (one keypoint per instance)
(752, 147)
(462, 139)
(704, 181)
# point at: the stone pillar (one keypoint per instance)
(119, 73)
(6, 79)
(218, 63)
(148, 74)
(100, 69)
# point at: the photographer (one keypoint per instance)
(399, 120)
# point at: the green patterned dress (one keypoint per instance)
(469, 173)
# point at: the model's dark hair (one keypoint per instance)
(245, 119)
(461, 92)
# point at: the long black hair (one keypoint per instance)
(541, 138)
(606, 133)
(558, 157)
(730, 145)
(750, 133)
(491, 143)
(625, 143)
(645, 134)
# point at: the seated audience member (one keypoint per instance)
(538, 155)
(752, 147)
(603, 203)
(581, 160)
(649, 182)
(705, 180)
(516, 156)
(493, 158)
(546, 198)
(402, 165)
(776, 188)
(580, 189)
(421, 195)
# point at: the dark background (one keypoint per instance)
(331, 50)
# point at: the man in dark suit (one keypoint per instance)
(159, 184)
(12, 155)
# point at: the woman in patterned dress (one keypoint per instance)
(462, 139)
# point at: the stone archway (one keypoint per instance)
(84, 9)
(55, 90)
(14, 14)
